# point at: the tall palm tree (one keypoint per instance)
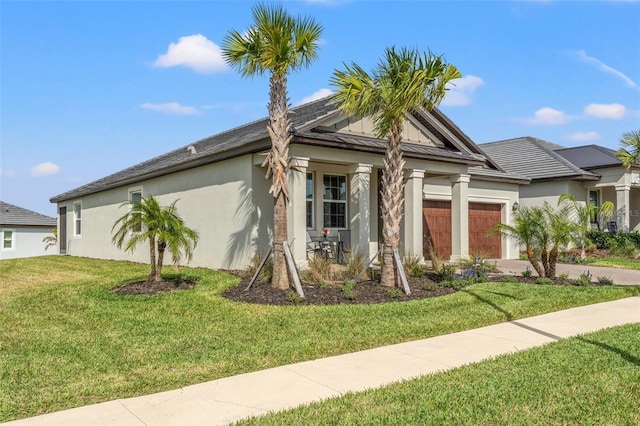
(629, 154)
(165, 230)
(403, 81)
(276, 43)
(584, 215)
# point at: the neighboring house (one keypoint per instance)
(22, 232)
(592, 173)
(453, 194)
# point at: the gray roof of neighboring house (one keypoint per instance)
(253, 137)
(11, 215)
(590, 156)
(535, 159)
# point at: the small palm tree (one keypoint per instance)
(525, 232)
(584, 215)
(276, 44)
(51, 240)
(403, 81)
(629, 154)
(165, 230)
(560, 229)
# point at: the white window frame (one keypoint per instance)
(12, 240)
(77, 219)
(131, 192)
(310, 199)
(345, 201)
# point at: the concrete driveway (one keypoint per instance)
(619, 276)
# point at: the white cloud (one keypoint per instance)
(171, 108)
(461, 91)
(45, 169)
(195, 52)
(582, 55)
(315, 95)
(584, 136)
(548, 117)
(610, 111)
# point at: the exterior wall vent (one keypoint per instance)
(192, 149)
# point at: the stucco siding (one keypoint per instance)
(216, 200)
(27, 242)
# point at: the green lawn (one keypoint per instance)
(592, 379)
(67, 341)
(615, 262)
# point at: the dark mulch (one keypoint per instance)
(364, 292)
(164, 286)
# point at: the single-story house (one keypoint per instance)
(22, 232)
(454, 194)
(592, 174)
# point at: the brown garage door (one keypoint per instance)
(482, 218)
(436, 228)
(436, 225)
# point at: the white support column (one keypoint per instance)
(412, 224)
(360, 208)
(297, 210)
(460, 217)
(623, 207)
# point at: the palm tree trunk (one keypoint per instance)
(544, 258)
(161, 249)
(277, 163)
(531, 256)
(553, 259)
(392, 195)
(152, 259)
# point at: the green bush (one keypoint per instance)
(605, 281)
(413, 266)
(544, 281)
(606, 240)
(348, 290)
(448, 272)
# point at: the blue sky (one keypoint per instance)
(89, 88)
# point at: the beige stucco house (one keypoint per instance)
(453, 192)
(592, 174)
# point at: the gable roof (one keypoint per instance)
(590, 156)
(535, 159)
(253, 138)
(11, 215)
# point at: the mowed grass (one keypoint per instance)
(588, 380)
(615, 262)
(67, 341)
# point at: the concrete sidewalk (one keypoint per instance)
(619, 276)
(229, 399)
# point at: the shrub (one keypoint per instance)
(294, 297)
(348, 290)
(356, 266)
(320, 269)
(395, 293)
(436, 262)
(564, 276)
(584, 279)
(448, 272)
(527, 273)
(623, 248)
(430, 286)
(605, 281)
(412, 266)
(544, 281)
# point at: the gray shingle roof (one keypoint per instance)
(535, 159)
(590, 156)
(253, 137)
(11, 215)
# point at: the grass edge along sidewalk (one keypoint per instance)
(588, 379)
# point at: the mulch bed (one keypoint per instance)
(149, 289)
(364, 292)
